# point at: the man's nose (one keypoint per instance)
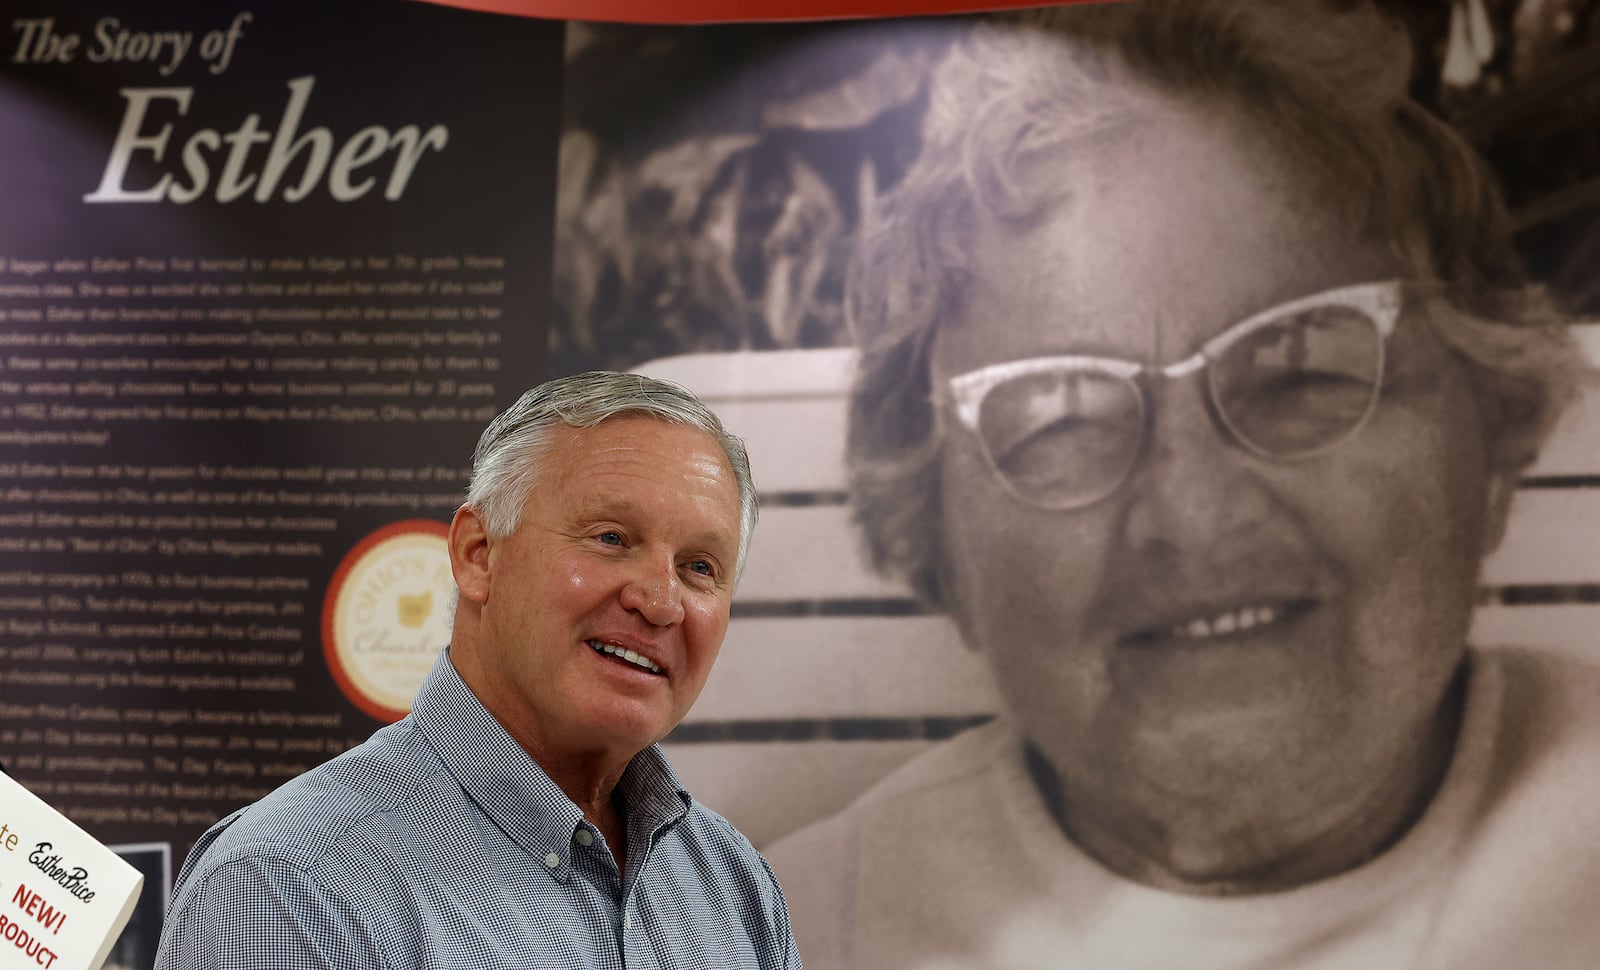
(1194, 488)
(654, 590)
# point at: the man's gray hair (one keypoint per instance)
(505, 465)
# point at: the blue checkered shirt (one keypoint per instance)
(441, 843)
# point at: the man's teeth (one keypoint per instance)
(1233, 621)
(637, 659)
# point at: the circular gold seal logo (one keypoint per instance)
(384, 619)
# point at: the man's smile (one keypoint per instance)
(622, 653)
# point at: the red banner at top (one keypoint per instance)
(715, 11)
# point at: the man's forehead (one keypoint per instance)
(668, 449)
(646, 466)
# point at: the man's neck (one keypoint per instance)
(586, 774)
(592, 786)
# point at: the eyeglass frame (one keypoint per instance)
(1380, 300)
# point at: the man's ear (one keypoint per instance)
(468, 542)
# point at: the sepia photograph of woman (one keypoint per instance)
(1198, 369)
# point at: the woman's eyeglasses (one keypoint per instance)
(1287, 383)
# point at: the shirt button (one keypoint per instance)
(551, 860)
(585, 838)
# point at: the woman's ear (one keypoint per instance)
(468, 543)
(1500, 493)
(936, 589)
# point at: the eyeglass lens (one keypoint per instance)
(1300, 384)
(1059, 438)
(1289, 388)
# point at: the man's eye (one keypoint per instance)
(702, 567)
(610, 538)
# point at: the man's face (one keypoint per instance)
(602, 614)
(1333, 592)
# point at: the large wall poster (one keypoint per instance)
(265, 272)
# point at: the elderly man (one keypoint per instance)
(1197, 377)
(521, 815)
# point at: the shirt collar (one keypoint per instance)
(503, 779)
(651, 794)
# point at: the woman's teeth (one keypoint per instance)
(637, 659)
(1233, 621)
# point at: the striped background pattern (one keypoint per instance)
(832, 675)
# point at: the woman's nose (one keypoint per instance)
(1193, 487)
